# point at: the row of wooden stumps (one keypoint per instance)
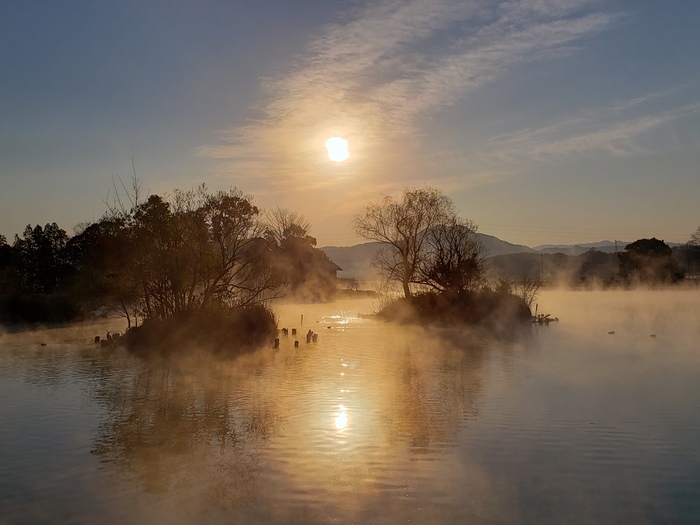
(311, 337)
(108, 342)
(543, 318)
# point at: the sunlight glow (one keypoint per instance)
(337, 149)
(341, 420)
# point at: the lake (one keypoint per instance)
(566, 423)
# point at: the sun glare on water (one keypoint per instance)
(341, 420)
(337, 149)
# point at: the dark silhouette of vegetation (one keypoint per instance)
(309, 273)
(687, 258)
(695, 238)
(596, 269)
(648, 261)
(404, 227)
(224, 331)
(164, 261)
(453, 259)
(427, 245)
(526, 288)
(168, 265)
(498, 310)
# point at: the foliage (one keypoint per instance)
(454, 259)
(424, 242)
(485, 308)
(648, 261)
(19, 309)
(42, 262)
(695, 238)
(226, 332)
(197, 250)
(526, 288)
(309, 273)
(688, 256)
(160, 258)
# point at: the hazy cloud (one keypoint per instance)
(611, 130)
(374, 76)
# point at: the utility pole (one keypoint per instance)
(541, 266)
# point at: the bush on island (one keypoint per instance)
(484, 308)
(226, 332)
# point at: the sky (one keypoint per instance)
(545, 121)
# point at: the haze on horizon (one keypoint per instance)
(546, 121)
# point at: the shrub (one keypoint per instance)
(225, 331)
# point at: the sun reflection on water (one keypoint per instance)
(341, 419)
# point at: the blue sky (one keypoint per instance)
(546, 121)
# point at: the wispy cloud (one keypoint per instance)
(377, 74)
(619, 130)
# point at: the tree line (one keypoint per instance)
(169, 256)
(646, 262)
(161, 257)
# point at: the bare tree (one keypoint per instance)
(283, 225)
(403, 226)
(455, 259)
(527, 288)
(695, 238)
(116, 203)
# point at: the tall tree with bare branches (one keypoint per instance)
(403, 226)
(454, 261)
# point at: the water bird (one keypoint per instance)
(611, 332)
(652, 335)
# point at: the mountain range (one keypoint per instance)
(356, 261)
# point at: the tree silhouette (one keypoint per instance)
(648, 261)
(42, 257)
(403, 227)
(454, 259)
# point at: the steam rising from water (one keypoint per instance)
(373, 423)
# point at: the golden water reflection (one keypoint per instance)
(337, 420)
(570, 425)
(341, 420)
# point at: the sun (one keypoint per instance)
(337, 149)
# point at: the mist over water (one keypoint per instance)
(373, 423)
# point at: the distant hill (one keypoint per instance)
(495, 246)
(356, 261)
(506, 258)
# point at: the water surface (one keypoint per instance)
(566, 423)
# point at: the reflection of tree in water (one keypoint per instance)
(192, 431)
(437, 391)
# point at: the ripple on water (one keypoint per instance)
(369, 424)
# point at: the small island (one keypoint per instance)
(434, 255)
